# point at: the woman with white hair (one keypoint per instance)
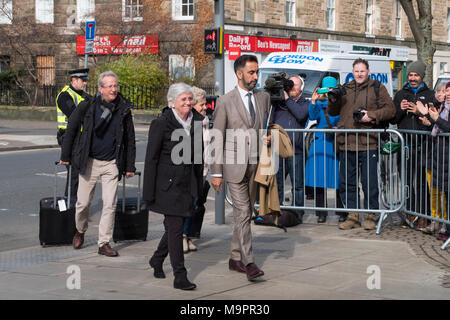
(193, 225)
(172, 179)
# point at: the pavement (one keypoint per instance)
(309, 261)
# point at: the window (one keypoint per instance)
(181, 67)
(4, 63)
(448, 24)
(249, 10)
(45, 67)
(398, 19)
(132, 10)
(183, 9)
(290, 12)
(85, 10)
(44, 11)
(331, 14)
(6, 14)
(442, 67)
(369, 22)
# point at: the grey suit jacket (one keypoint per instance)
(240, 137)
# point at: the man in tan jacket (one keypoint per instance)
(238, 118)
(361, 156)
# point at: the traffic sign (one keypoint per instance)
(89, 47)
(90, 30)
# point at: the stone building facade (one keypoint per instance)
(42, 34)
(48, 31)
(380, 25)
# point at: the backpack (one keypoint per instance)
(285, 220)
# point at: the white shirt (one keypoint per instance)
(244, 98)
(186, 124)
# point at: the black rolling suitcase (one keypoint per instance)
(56, 223)
(131, 220)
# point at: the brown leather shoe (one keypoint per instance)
(235, 265)
(107, 251)
(253, 272)
(78, 240)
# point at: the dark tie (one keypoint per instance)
(250, 107)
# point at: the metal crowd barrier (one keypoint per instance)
(392, 193)
(427, 168)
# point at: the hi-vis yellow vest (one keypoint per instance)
(61, 117)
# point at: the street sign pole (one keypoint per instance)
(89, 41)
(220, 88)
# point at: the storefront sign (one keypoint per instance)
(268, 44)
(395, 53)
(117, 44)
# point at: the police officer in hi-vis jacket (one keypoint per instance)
(66, 102)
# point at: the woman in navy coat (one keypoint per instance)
(172, 179)
(322, 165)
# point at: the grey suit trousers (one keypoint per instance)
(243, 195)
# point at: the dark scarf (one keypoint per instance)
(108, 109)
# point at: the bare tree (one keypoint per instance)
(20, 39)
(421, 28)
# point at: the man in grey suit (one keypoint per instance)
(238, 118)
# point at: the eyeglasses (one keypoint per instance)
(111, 87)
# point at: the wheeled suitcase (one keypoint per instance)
(56, 219)
(131, 220)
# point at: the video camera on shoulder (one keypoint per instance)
(276, 85)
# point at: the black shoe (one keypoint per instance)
(322, 218)
(183, 284)
(158, 270)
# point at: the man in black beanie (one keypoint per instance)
(105, 148)
(407, 118)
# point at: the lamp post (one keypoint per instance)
(219, 85)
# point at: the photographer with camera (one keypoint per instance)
(407, 118)
(362, 103)
(292, 113)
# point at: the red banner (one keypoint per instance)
(117, 44)
(267, 44)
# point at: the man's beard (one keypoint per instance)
(249, 85)
(414, 84)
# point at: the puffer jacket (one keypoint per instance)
(361, 95)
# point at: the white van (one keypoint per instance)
(442, 79)
(316, 66)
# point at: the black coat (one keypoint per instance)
(77, 142)
(409, 121)
(170, 188)
(440, 157)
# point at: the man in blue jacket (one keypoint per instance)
(293, 114)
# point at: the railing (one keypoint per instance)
(140, 97)
(410, 169)
(426, 174)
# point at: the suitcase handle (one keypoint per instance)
(138, 173)
(69, 176)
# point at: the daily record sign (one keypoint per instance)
(90, 30)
